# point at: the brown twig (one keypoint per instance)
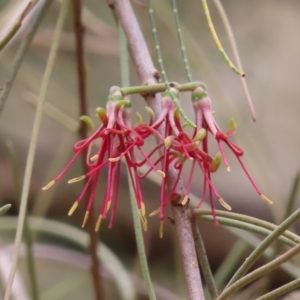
(148, 75)
(79, 34)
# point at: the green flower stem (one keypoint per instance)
(288, 211)
(27, 232)
(250, 220)
(124, 56)
(181, 41)
(275, 294)
(217, 41)
(247, 227)
(263, 246)
(259, 272)
(204, 263)
(21, 53)
(251, 240)
(32, 146)
(14, 29)
(161, 65)
(230, 262)
(161, 87)
(293, 196)
(236, 55)
(138, 231)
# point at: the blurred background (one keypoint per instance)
(269, 46)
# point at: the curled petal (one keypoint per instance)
(101, 113)
(138, 119)
(216, 163)
(88, 121)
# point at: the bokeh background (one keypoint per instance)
(269, 46)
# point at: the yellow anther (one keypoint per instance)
(76, 179)
(228, 169)
(48, 186)
(161, 173)
(98, 223)
(185, 200)
(224, 204)
(86, 216)
(108, 205)
(94, 158)
(144, 222)
(143, 209)
(74, 206)
(114, 159)
(267, 200)
(161, 228)
(155, 212)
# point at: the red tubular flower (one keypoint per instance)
(117, 140)
(205, 119)
(178, 147)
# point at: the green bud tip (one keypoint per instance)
(138, 119)
(201, 134)
(198, 94)
(88, 122)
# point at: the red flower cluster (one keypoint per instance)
(119, 140)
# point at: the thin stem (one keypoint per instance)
(181, 41)
(246, 219)
(263, 246)
(27, 232)
(4, 209)
(161, 65)
(140, 244)
(288, 211)
(275, 294)
(182, 215)
(138, 231)
(217, 41)
(204, 263)
(17, 25)
(236, 55)
(292, 197)
(21, 53)
(33, 143)
(247, 227)
(161, 87)
(259, 272)
(83, 134)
